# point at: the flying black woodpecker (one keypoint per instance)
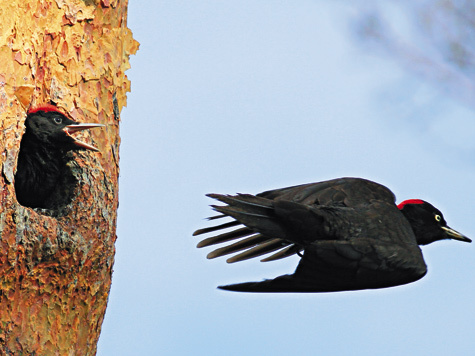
(348, 232)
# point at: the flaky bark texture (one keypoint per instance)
(56, 265)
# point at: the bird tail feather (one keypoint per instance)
(262, 233)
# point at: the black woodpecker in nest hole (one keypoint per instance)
(43, 178)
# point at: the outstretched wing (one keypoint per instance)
(269, 226)
(263, 216)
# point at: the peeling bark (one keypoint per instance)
(56, 265)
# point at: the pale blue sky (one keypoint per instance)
(246, 96)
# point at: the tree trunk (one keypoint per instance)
(56, 265)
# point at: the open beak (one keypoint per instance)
(70, 129)
(452, 234)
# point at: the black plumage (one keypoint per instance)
(42, 173)
(349, 233)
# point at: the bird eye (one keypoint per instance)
(57, 120)
(438, 217)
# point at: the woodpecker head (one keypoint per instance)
(49, 127)
(428, 223)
